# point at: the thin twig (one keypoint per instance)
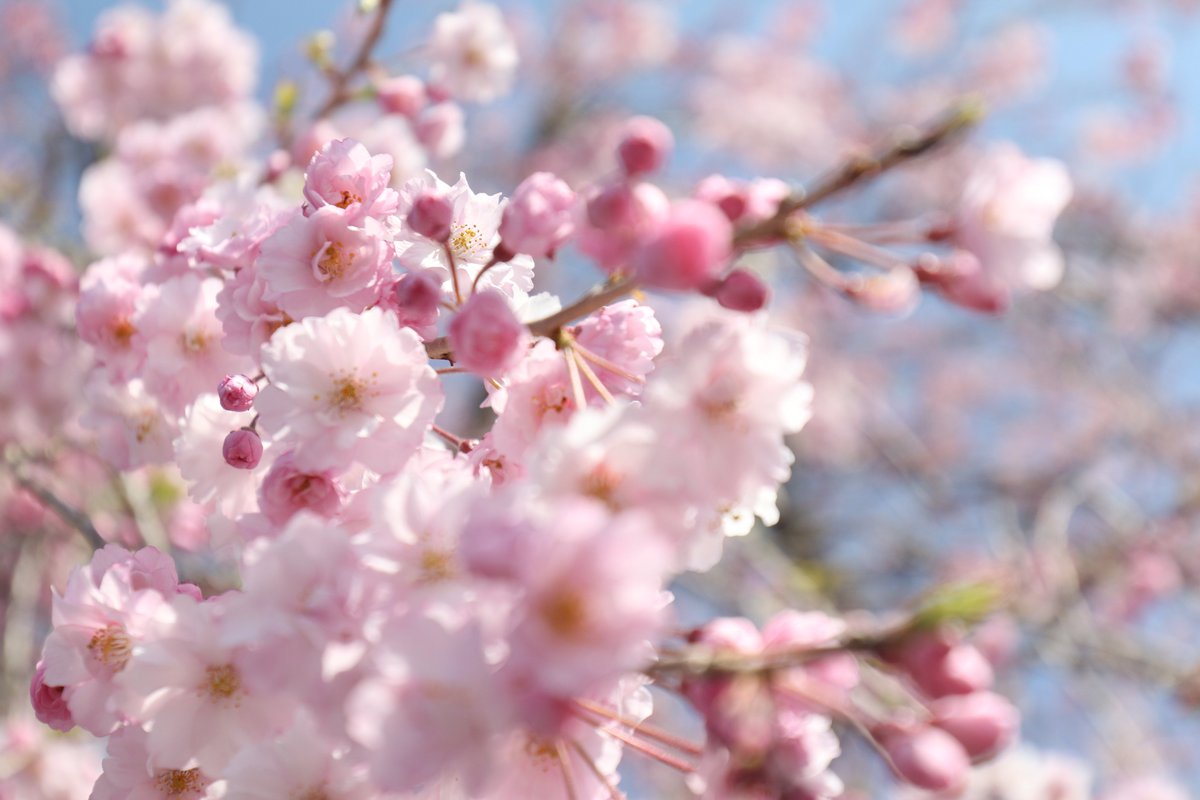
(340, 93)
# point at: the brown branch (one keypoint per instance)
(903, 147)
(340, 92)
(597, 297)
(65, 511)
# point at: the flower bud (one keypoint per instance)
(49, 706)
(486, 336)
(440, 129)
(689, 250)
(539, 218)
(982, 722)
(237, 393)
(960, 279)
(431, 215)
(645, 145)
(723, 193)
(940, 665)
(927, 758)
(242, 449)
(417, 296)
(740, 290)
(402, 94)
(287, 489)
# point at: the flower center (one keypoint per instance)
(565, 613)
(551, 400)
(194, 341)
(111, 647)
(349, 393)
(348, 198)
(180, 783)
(436, 566)
(222, 682)
(333, 261)
(465, 240)
(123, 332)
(540, 750)
(602, 483)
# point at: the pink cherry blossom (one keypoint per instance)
(473, 53)
(540, 217)
(1007, 213)
(348, 387)
(486, 335)
(345, 175)
(317, 263)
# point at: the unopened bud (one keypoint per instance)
(645, 145)
(242, 449)
(431, 215)
(237, 393)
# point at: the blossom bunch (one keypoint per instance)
(420, 601)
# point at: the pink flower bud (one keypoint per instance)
(417, 296)
(645, 145)
(431, 215)
(402, 94)
(242, 449)
(486, 336)
(928, 758)
(982, 722)
(689, 250)
(740, 290)
(941, 665)
(613, 206)
(895, 291)
(961, 279)
(723, 193)
(540, 216)
(237, 393)
(440, 129)
(287, 489)
(49, 706)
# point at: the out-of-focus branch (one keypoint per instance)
(339, 93)
(64, 510)
(902, 146)
(952, 603)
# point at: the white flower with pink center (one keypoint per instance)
(349, 387)
(474, 234)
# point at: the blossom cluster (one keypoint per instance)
(423, 613)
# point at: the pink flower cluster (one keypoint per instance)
(422, 613)
(420, 616)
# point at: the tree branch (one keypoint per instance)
(340, 92)
(903, 147)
